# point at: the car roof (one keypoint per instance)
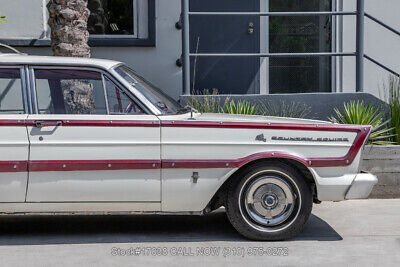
(20, 59)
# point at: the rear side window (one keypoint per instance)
(11, 101)
(67, 91)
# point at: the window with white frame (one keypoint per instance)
(121, 22)
(111, 23)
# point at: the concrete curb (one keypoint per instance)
(384, 162)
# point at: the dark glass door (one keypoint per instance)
(300, 34)
(225, 34)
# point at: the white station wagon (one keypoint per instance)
(91, 136)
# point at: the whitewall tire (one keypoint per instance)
(269, 201)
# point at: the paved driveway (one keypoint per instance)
(366, 233)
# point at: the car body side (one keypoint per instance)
(199, 153)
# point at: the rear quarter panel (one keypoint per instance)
(216, 152)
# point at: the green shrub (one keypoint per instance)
(241, 107)
(361, 114)
(210, 102)
(286, 110)
(394, 106)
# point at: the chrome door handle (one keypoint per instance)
(40, 124)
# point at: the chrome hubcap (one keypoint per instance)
(269, 200)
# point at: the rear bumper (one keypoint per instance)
(361, 186)
(347, 186)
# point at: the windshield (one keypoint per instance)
(165, 104)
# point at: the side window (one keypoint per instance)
(68, 91)
(119, 102)
(11, 101)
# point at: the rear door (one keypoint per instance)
(91, 141)
(14, 143)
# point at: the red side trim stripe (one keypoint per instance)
(264, 125)
(362, 134)
(92, 165)
(237, 163)
(87, 123)
(12, 123)
(103, 165)
(103, 123)
(195, 124)
(14, 166)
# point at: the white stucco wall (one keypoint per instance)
(380, 44)
(24, 19)
(27, 19)
(157, 64)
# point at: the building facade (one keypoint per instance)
(146, 35)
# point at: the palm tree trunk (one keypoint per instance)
(68, 24)
(69, 38)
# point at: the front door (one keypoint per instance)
(225, 34)
(90, 141)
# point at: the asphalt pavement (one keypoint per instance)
(350, 233)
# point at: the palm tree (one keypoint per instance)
(69, 37)
(68, 23)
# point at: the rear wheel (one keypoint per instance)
(269, 202)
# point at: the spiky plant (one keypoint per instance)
(360, 114)
(393, 90)
(206, 101)
(241, 107)
(284, 109)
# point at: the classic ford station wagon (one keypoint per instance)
(91, 136)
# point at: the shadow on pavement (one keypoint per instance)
(47, 230)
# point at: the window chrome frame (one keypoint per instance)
(25, 101)
(105, 93)
(32, 86)
(124, 93)
(102, 72)
(136, 92)
(128, 93)
(28, 92)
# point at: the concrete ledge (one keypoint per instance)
(384, 162)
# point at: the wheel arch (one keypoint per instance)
(219, 197)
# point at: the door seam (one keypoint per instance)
(29, 157)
